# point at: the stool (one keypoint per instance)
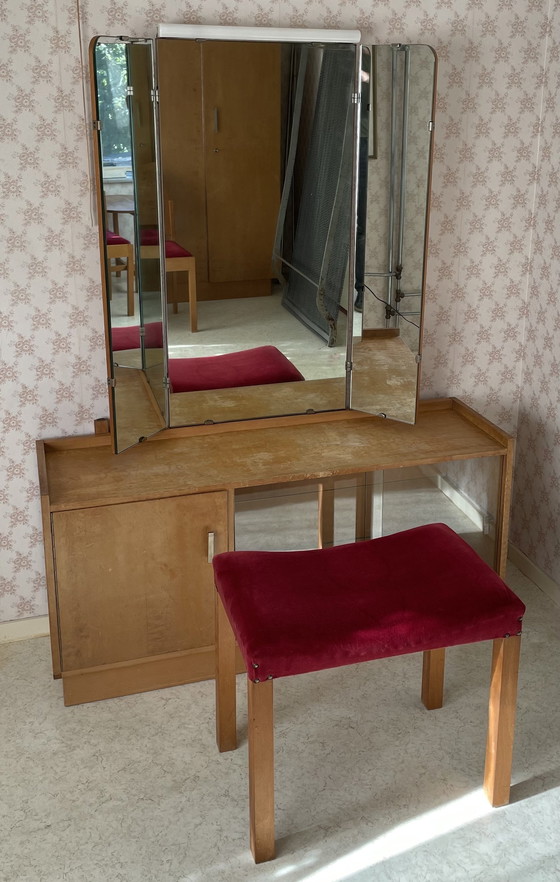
(292, 612)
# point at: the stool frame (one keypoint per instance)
(499, 745)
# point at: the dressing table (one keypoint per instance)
(129, 538)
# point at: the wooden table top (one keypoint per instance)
(82, 472)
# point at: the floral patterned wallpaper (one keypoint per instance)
(492, 306)
(535, 528)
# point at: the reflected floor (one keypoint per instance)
(371, 787)
(230, 325)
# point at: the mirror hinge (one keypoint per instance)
(130, 91)
(155, 95)
(97, 125)
(111, 382)
(356, 97)
(417, 358)
(348, 366)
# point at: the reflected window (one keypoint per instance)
(112, 83)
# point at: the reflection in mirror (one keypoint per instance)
(256, 183)
(257, 157)
(398, 85)
(123, 79)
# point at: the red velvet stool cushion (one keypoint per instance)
(250, 367)
(115, 239)
(172, 249)
(299, 611)
(129, 337)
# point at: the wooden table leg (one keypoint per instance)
(503, 509)
(326, 513)
(226, 733)
(369, 506)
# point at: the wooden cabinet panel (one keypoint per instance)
(133, 580)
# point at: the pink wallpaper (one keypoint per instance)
(537, 484)
(492, 307)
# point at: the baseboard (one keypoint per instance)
(24, 629)
(547, 585)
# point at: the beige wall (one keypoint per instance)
(492, 309)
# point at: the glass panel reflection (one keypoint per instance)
(124, 74)
(398, 89)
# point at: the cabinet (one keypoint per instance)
(216, 129)
(135, 593)
(130, 588)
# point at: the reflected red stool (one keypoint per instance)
(292, 612)
(128, 337)
(259, 366)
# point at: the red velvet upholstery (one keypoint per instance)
(299, 611)
(129, 337)
(172, 249)
(115, 239)
(250, 367)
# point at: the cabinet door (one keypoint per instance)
(133, 580)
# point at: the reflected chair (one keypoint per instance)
(118, 249)
(177, 260)
(294, 612)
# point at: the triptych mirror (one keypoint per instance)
(263, 207)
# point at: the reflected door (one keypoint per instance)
(220, 109)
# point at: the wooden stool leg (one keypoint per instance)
(226, 734)
(261, 770)
(433, 670)
(501, 719)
